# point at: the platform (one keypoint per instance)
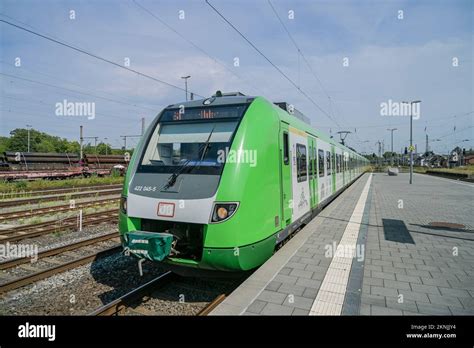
(396, 254)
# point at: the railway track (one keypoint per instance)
(39, 274)
(53, 209)
(58, 197)
(16, 194)
(131, 302)
(55, 251)
(51, 226)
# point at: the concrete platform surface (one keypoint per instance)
(383, 247)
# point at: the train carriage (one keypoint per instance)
(219, 183)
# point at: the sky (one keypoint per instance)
(336, 61)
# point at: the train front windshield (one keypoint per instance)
(199, 145)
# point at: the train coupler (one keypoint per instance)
(152, 246)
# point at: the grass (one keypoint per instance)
(458, 170)
(25, 186)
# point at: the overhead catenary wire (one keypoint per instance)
(274, 65)
(128, 101)
(298, 49)
(300, 53)
(70, 90)
(96, 56)
(47, 105)
(197, 47)
(444, 119)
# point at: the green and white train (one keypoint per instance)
(217, 184)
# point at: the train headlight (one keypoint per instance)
(223, 211)
(123, 205)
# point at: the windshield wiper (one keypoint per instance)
(172, 179)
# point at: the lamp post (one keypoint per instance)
(391, 148)
(186, 84)
(411, 136)
(28, 126)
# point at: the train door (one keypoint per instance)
(285, 175)
(299, 173)
(339, 179)
(344, 168)
(324, 170)
(312, 171)
(334, 168)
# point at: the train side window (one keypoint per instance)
(286, 152)
(311, 162)
(301, 166)
(321, 162)
(328, 162)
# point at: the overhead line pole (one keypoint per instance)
(125, 139)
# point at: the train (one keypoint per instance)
(218, 184)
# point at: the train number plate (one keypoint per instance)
(166, 209)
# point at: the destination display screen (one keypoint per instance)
(203, 113)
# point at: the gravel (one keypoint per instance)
(55, 240)
(81, 290)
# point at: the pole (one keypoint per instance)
(186, 88)
(81, 139)
(143, 125)
(391, 147)
(80, 220)
(411, 143)
(28, 139)
(186, 85)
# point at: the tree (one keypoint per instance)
(3, 144)
(103, 149)
(73, 147)
(43, 142)
(388, 154)
(46, 145)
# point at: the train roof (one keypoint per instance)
(296, 118)
(301, 123)
(232, 98)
